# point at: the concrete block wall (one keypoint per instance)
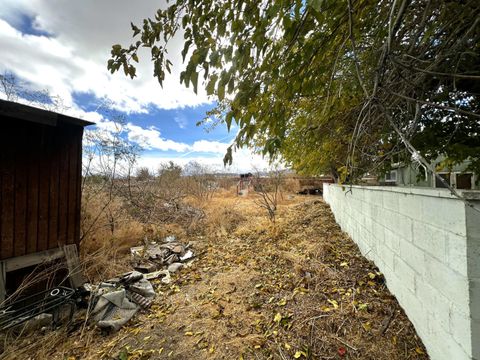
(427, 244)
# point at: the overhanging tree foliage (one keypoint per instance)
(340, 86)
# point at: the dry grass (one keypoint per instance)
(256, 291)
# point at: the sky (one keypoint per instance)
(63, 46)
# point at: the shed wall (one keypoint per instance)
(40, 180)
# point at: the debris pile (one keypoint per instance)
(153, 256)
(116, 301)
(111, 303)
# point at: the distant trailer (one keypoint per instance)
(311, 185)
(40, 185)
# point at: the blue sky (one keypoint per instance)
(63, 46)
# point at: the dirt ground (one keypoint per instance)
(299, 289)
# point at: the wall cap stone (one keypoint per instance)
(412, 190)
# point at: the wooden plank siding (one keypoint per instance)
(7, 191)
(40, 177)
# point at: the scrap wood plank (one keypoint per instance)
(24, 261)
(68, 251)
(73, 263)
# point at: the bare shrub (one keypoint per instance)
(201, 182)
(109, 160)
(269, 190)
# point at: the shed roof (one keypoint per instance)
(30, 113)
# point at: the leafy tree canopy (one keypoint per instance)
(340, 86)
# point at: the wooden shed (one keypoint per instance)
(40, 186)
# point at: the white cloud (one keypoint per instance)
(150, 139)
(209, 146)
(74, 59)
(244, 161)
(181, 121)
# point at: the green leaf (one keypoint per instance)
(221, 91)
(211, 84)
(228, 159)
(185, 21)
(194, 80)
(135, 29)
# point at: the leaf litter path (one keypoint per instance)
(299, 290)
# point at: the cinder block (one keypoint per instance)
(405, 273)
(394, 283)
(431, 239)
(374, 197)
(410, 205)
(366, 209)
(460, 327)
(368, 225)
(448, 282)
(456, 251)
(390, 200)
(392, 240)
(388, 257)
(376, 212)
(413, 256)
(378, 232)
(447, 214)
(398, 223)
(437, 305)
(357, 193)
(442, 346)
(414, 308)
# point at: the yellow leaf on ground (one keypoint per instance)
(334, 303)
(299, 354)
(419, 351)
(277, 318)
(367, 326)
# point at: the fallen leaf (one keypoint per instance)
(299, 354)
(419, 351)
(362, 306)
(277, 318)
(334, 303)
